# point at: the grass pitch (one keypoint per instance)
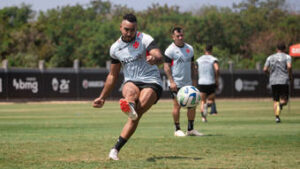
(75, 135)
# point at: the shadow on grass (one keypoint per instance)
(209, 135)
(153, 159)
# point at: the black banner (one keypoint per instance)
(3, 84)
(248, 85)
(60, 84)
(88, 83)
(225, 85)
(91, 83)
(24, 84)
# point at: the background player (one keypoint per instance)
(179, 68)
(279, 67)
(208, 80)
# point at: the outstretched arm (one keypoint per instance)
(109, 85)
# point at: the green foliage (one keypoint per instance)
(245, 34)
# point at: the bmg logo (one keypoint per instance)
(29, 84)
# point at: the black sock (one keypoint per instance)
(191, 125)
(281, 105)
(213, 108)
(177, 126)
(120, 143)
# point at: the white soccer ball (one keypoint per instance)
(188, 96)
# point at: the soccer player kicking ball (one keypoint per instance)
(142, 81)
(279, 66)
(179, 68)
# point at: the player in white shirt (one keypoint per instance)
(279, 66)
(179, 68)
(208, 74)
(138, 55)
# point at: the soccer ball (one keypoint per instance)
(188, 96)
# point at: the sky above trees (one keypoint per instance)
(188, 5)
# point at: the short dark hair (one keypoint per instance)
(130, 17)
(209, 47)
(178, 29)
(281, 46)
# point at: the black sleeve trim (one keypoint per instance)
(152, 45)
(167, 59)
(192, 59)
(114, 61)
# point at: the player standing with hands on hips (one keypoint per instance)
(279, 67)
(179, 68)
(138, 54)
(208, 80)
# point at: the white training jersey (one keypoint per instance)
(181, 63)
(277, 64)
(206, 71)
(132, 56)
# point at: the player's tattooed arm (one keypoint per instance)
(167, 69)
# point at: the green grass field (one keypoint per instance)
(75, 135)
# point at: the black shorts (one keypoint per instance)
(157, 88)
(280, 91)
(207, 89)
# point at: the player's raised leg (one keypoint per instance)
(128, 105)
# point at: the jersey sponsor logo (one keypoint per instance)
(131, 59)
(187, 50)
(29, 84)
(180, 60)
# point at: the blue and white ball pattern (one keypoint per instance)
(188, 96)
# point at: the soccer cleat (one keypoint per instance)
(113, 154)
(128, 108)
(179, 133)
(194, 133)
(277, 120)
